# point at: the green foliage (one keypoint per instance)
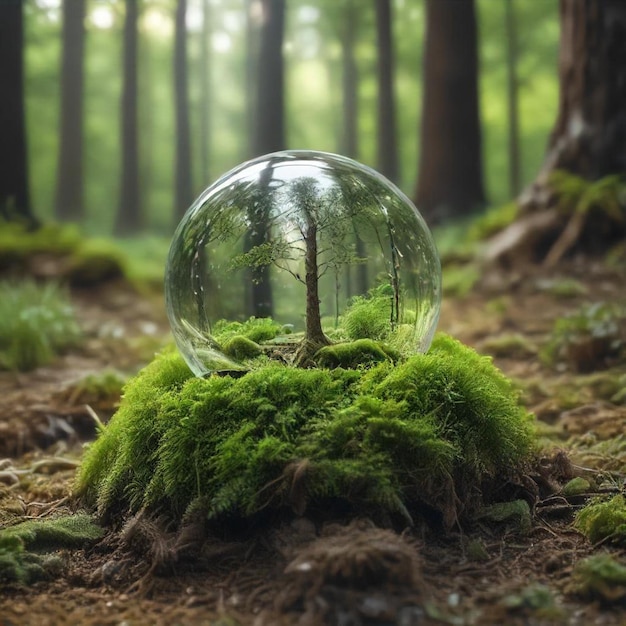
(458, 280)
(587, 337)
(369, 317)
(359, 353)
(492, 221)
(600, 577)
(19, 565)
(600, 521)
(36, 323)
(387, 439)
(575, 194)
(239, 347)
(517, 512)
(96, 261)
(512, 345)
(256, 329)
(535, 600)
(70, 531)
(18, 242)
(104, 386)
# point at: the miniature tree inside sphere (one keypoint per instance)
(297, 236)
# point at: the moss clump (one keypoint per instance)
(389, 440)
(368, 317)
(18, 242)
(36, 323)
(587, 339)
(95, 261)
(18, 564)
(257, 329)
(70, 531)
(359, 353)
(604, 520)
(600, 577)
(493, 221)
(517, 512)
(240, 348)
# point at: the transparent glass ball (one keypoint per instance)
(301, 236)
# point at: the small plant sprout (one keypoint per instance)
(296, 236)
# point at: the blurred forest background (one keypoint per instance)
(132, 107)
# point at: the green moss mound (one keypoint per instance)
(354, 354)
(392, 440)
(23, 546)
(240, 348)
(606, 520)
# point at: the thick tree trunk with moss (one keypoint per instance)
(589, 136)
(587, 141)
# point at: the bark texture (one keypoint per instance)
(387, 143)
(589, 136)
(69, 191)
(129, 210)
(183, 182)
(14, 192)
(450, 177)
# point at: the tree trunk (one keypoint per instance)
(251, 86)
(512, 100)
(589, 135)
(350, 81)
(129, 210)
(183, 184)
(450, 177)
(260, 302)
(269, 136)
(205, 91)
(387, 144)
(69, 191)
(587, 141)
(14, 194)
(270, 131)
(350, 139)
(313, 333)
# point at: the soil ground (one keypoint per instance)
(307, 572)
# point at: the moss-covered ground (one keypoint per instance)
(263, 528)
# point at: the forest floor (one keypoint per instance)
(490, 574)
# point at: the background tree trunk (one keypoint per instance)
(269, 133)
(387, 144)
(253, 20)
(14, 193)
(350, 80)
(512, 99)
(205, 91)
(350, 139)
(269, 136)
(69, 191)
(589, 136)
(183, 184)
(129, 210)
(450, 177)
(587, 141)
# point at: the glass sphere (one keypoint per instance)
(301, 236)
